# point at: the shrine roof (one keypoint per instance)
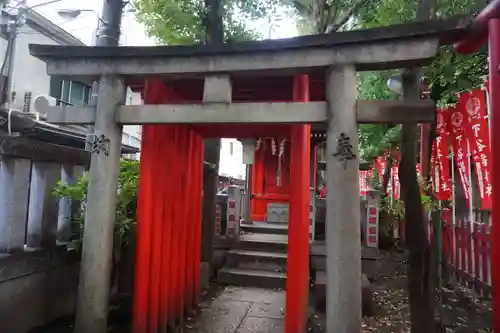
(447, 31)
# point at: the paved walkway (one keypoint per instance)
(241, 310)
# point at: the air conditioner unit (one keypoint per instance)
(38, 106)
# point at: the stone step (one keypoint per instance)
(262, 242)
(257, 260)
(252, 278)
(265, 228)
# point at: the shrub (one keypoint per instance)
(126, 204)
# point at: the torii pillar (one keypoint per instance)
(494, 35)
(342, 227)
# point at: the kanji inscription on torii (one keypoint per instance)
(344, 149)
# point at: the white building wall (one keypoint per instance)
(132, 133)
(231, 158)
(30, 73)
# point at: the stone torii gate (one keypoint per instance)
(171, 155)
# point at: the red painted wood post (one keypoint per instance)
(193, 206)
(145, 216)
(156, 239)
(198, 219)
(184, 220)
(494, 77)
(446, 240)
(484, 253)
(462, 247)
(191, 222)
(297, 284)
(144, 233)
(470, 268)
(452, 241)
(180, 201)
(176, 217)
(167, 197)
(189, 212)
(476, 239)
(465, 246)
(448, 234)
(452, 244)
(457, 244)
(197, 211)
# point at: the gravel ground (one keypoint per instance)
(458, 313)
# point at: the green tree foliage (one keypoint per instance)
(375, 139)
(178, 22)
(126, 204)
(324, 16)
(182, 22)
(452, 73)
(449, 74)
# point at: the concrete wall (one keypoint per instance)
(36, 288)
(38, 276)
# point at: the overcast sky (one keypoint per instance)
(133, 33)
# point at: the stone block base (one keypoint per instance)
(204, 275)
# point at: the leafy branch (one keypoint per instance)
(126, 204)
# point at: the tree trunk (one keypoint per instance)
(436, 267)
(420, 285)
(213, 22)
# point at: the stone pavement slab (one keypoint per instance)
(267, 325)
(242, 310)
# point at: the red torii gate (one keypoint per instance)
(167, 264)
(486, 28)
(176, 118)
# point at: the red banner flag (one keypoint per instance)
(459, 146)
(380, 165)
(434, 172)
(363, 182)
(476, 127)
(441, 167)
(396, 187)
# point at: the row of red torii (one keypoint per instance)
(195, 92)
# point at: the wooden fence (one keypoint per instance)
(467, 251)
